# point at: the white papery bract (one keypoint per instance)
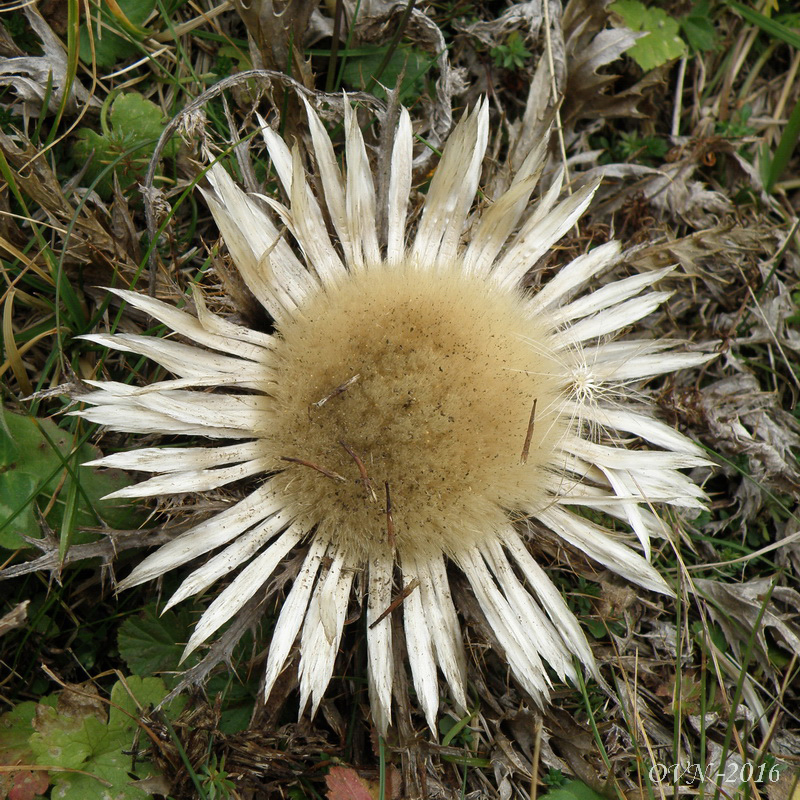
(412, 406)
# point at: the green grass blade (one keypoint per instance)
(785, 148)
(771, 27)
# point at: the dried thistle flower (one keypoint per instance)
(410, 406)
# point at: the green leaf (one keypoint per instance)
(358, 70)
(15, 489)
(135, 126)
(772, 27)
(662, 43)
(82, 739)
(698, 28)
(596, 628)
(60, 739)
(110, 47)
(513, 54)
(33, 453)
(151, 643)
(16, 728)
(108, 766)
(135, 119)
(573, 790)
(147, 692)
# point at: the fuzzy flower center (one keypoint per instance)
(436, 385)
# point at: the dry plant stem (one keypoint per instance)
(106, 550)
(754, 72)
(537, 752)
(221, 650)
(788, 85)
(638, 719)
(337, 391)
(786, 92)
(526, 447)
(362, 470)
(738, 59)
(556, 100)
(326, 472)
(51, 768)
(203, 18)
(762, 750)
(397, 602)
(676, 111)
(412, 754)
(241, 151)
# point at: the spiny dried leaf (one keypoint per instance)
(276, 30)
(591, 45)
(670, 189)
(107, 550)
(36, 78)
(743, 419)
(736, 608)
(524, 17)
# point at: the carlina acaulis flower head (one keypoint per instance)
(412, 404)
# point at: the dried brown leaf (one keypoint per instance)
(743, 419)
(344, 783)
(32, 77)
(273, 27)
(736, 607)
(526, 17)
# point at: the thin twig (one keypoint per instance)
(264, 257)
(337, 391)
(361, 469)
(395, 604)
(676, 110)
(556, 100)
(529, 433)
(326, 472)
